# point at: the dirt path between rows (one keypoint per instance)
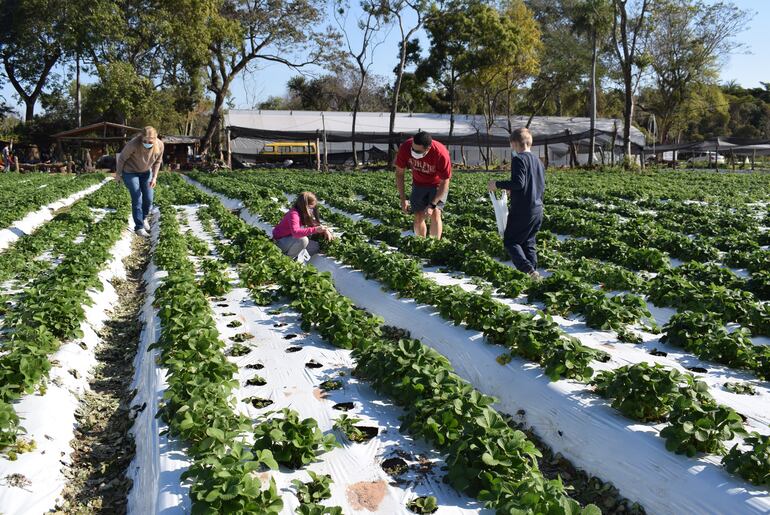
(102, 447)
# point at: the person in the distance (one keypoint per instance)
(293, 232)
(431, 172)
(138, 165)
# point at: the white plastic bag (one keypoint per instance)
(501, 210)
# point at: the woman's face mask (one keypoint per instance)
(148, 144)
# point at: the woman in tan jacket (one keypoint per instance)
(138, 165)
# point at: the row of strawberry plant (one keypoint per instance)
(198, 404)
(22, 261)
(536, 339)
(51, 310)
(20, 198)
(499, 472)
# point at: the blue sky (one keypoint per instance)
(748, 68)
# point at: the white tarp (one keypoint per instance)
(565, 414)
(49, 419)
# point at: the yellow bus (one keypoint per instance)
(279, 151)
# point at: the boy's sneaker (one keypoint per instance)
(303, 256)
(535, 275)
(141, 232)
(147, 224)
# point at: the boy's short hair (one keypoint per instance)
(423, 139)
(522, 136)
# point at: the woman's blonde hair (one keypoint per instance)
(308, 216)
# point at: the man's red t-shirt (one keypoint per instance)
(431, 169)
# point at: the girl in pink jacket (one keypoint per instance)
(292, 234)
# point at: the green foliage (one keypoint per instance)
(753, 464)
(314, 491)
(427, 504)
(347, 425)
(642, 391)
(215, 280)
(293, 442)
(700, 425)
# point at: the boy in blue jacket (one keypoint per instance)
(525, 214)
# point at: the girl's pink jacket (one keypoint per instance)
(291, 225)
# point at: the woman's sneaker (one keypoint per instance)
(141, 232)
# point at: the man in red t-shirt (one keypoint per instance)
(431, 171)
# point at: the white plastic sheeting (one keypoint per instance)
(49, 419)
(565, 414)
(37, 218)
(159, 460)
(360, 484)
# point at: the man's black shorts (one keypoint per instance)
(422, 196)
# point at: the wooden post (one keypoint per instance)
(229, 150)
(614, 140)
(546, 154)
(716, 157)
(16, 163)
(753, 158)
(732, 158)
(317, 154)
(326, 146)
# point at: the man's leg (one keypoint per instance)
(436, 224)
(131, 180)
(419, 224)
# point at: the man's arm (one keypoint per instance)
(400, 188)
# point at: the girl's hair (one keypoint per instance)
(308, 216)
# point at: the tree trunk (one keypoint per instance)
(452, 103)
(216, 117)
(628, 114)
(356, 106)
(394, 102)
(77, 90)
(592, 139)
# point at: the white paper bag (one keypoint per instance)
(501, 210)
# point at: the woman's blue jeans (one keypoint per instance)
(138, 185)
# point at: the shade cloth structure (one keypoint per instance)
(374, 127)
(742, 146)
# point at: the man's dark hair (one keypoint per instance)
(423, 139)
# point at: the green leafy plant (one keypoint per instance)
(740, 388)
(700, 425)
(347, 426)
(752, 464)
(293, 442)
(314, 491)
(428, 504)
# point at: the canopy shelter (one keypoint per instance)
(91, 142)
(556, 139)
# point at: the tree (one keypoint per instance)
(503, 47)
(630, 31)
(690, 39)
(396, 9)
(244, 31)
(446, 60)
(369, 24)
(31, 44)
(594, 18)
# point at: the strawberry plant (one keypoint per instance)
(752, 464)
(314, 491)
(215, 281)
(293, 442)
(740, 388)
(642, 391)
(427, 504)
(347, 426)
(700, 425)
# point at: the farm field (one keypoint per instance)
(391, 374)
